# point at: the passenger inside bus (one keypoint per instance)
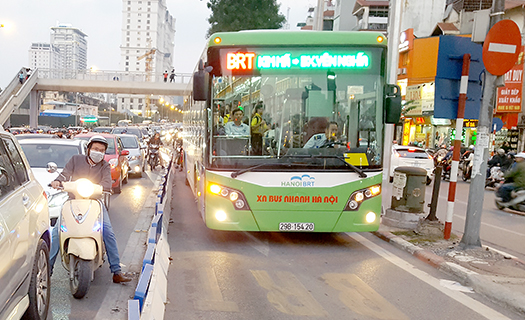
(237, 127)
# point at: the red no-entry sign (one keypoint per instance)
(502, 47)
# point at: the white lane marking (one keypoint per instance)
(502, 47)
(262, 246)
(462, 298)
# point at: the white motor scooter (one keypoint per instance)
(80, 231)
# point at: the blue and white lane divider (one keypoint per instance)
(151, 293)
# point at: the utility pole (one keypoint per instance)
(394, 31)
(471, 236)
(318, 23)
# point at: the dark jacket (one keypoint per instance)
(79, 167)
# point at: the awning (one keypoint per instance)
(57, 113)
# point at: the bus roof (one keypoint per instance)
(284, 37)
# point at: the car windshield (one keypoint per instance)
(312, 117)
(128, 130)
(102, 129)
(39, 154)
(412, 153)
(129, 142)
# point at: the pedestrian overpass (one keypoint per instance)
(116, 82)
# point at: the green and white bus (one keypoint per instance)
(283, 130)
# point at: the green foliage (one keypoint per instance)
(236, 15)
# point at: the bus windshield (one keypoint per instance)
(311, 118)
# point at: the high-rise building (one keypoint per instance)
(72, 44)
(44, 56)
(146, 25)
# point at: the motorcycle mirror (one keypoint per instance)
(51, 167)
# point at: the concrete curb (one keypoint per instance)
(480, 283)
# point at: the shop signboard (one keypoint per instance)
(427, 98)
(413, 101)
(509, 96)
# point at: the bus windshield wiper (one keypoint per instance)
(271, 164)
(309, 156)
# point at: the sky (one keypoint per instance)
(27, 21)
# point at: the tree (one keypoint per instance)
(236, 15)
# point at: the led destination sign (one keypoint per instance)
(250, 60)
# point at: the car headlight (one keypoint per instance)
(85, 188)
(113, 163)
(133, 158)
(58, 199)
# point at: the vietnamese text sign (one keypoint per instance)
(509, 96)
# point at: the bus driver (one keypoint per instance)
(321, 139)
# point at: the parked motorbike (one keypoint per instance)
(466, 166)
(496, 175)
(153, 156)
(447, 166)
(80, 232)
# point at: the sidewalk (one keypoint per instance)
(495, 274)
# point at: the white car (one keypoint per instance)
(40, 153)
(25, 238)
(405, 156)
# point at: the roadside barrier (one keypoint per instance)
(152, 289)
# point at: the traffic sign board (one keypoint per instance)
(501, 47)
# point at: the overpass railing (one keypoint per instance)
(109, 75)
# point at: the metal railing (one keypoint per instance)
(109, 75)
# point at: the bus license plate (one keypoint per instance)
(296, 226)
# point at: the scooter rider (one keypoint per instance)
(517, 174)
(92, 167)
(155, 140)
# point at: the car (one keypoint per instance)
(25, 237)
(137, 153)
(129, 130)
(44, 153)
(35, 136)
(407, 156)
(103, 129)
(116, 156)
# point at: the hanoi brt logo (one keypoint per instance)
(299, 181)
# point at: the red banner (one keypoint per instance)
(509, 96)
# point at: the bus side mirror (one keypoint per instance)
(199, 86)
(392, 103)
(200, 82)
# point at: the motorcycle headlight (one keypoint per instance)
(85, 188)
(58, 199)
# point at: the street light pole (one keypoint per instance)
(471, 236)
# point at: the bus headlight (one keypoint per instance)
(235, 196)
(239, 204)
(220, 216)
(370, 217)
(359, 196)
